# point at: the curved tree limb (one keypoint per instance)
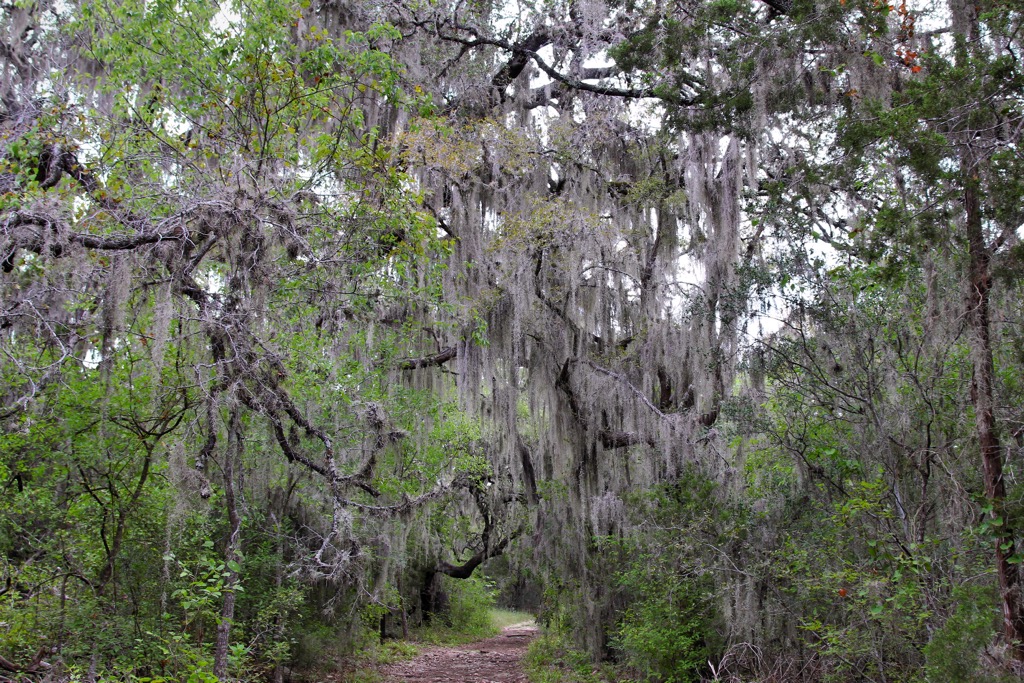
(437, 359)
(37, 665)
(466, 569)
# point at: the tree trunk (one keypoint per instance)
(231, 555)
(982, 396)
(279, 620)
(431, 596)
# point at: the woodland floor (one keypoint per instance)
(495, 660)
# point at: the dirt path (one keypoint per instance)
(495, 660)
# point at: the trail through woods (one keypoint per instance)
(495, 660)
(312, 309)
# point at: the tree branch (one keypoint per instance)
(639, 394)
(521, 52)
(37, 244)
(37, 664)
(527, 48)
(466, 569)
(428, 361)
(783, 7)
(616, 439)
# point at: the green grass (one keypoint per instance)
(439, 634)
(497, 619)
(392, 651)
(445, 635)
(364, 667)
(551, 659)
(503, 618)
(376, 655)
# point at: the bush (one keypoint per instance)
(954, 652)
(467, 614)
(471, 602)
(551, 659)
(662, 634)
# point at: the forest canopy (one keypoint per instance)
(693, 325)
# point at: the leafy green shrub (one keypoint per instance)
(662, 634)
(396, 651)
(952, 655)
(468, 613)
(551, 659)
(665, 629)
(471, 602)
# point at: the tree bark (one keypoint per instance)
(429, 361)
(231, 554)
(612, 439)
(466, 569)
(37, 664)
(982, 396)
(279, 621)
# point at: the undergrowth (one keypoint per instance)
(376, 656)
(485, 625)
(551, 659)
(467, 617)
(471, 616)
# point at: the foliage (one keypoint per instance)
(703, 316)
(469, 613)
(663, 633)
(471, 603)
(502, 618)
(552, 659)
(953, 652)
(667, 630)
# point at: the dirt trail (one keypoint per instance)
(495, 660)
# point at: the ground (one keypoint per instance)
(495, 660)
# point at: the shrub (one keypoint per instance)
(471, 602)
(663, 633)
(954, 652)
